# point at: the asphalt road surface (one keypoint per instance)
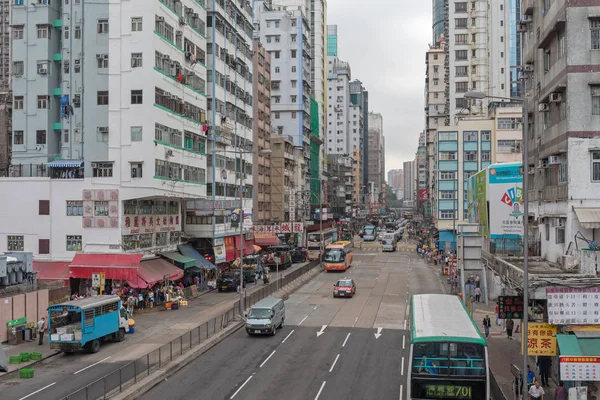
(64, 374)
(329, 348)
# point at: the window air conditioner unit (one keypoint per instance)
(528, 68)
(521, 27)
(543, 107)
(542, 164)
(43, 71)
(526, 18)
(160, 19)
(555, 97)
(553, 160)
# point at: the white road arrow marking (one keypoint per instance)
(378, 334)
(322, 331)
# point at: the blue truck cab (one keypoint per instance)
(84, 324)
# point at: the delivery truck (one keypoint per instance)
(84, 324)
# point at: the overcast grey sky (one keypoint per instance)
(385, 42)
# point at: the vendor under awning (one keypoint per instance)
(201, 262)
(112, 265)
(153, 271)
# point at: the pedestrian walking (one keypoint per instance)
(497, 311)
(544, 363)
(477, 294)
(510, 324)
(130, 304)
(536, 391)
(560, 393)
(41, 326)
(530, 376)
(487, 323)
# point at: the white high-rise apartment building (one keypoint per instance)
(109, 168)
(285, 34)
(479, 56)
(339, 140)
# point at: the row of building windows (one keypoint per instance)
(175, 171)
(468, 156)
(468, 136)
(148, 240)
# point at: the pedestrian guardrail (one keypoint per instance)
(130, 373)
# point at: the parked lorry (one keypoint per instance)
(84, 324)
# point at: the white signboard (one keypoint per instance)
(95, 280)
(579, 368)
(573, 306)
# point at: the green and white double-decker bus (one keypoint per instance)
(448, 354)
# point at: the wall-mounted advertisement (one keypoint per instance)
(219, 249)
(505, 198)
(477, 198)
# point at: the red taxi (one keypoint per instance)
(344, 288)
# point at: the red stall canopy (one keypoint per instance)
(114, 266)
(248, 246)
(48, 271)
(266, 239)
(153, 271)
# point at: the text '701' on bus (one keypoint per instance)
(448, 354)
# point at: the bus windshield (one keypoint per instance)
(369, 230)
(333, 255)
(313, 237)
(447, 358)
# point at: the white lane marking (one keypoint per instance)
(344, 344)
(334, 361)
(303, 319)
(403, 342)
(401, 391)
(264, 362)
(402, 367)
(39, 390)
(315, 307)
(286, 338)
(322, 331)
(378, 334)
(90, 366)
(320, 390)
(241, 387)
(404, 324)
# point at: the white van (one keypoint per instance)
(265, 317)
(388, 241)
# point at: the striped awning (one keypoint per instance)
(65, 164)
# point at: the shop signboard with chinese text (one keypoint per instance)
(510, 307)
(573, 306)
(580, 368)
(139, 224)
(541, 339)
(284, 227)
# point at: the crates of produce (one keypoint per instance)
(14, 360)
(25, 357)
(26, 373)
(35, 356)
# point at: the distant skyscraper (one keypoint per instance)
(438, 19)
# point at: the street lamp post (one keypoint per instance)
(239, 152)
(525, 168)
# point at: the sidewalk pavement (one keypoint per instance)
(155, 323)
(503, 352)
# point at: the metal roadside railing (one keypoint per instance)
(130, 373)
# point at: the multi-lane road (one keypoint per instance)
(329, 348)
